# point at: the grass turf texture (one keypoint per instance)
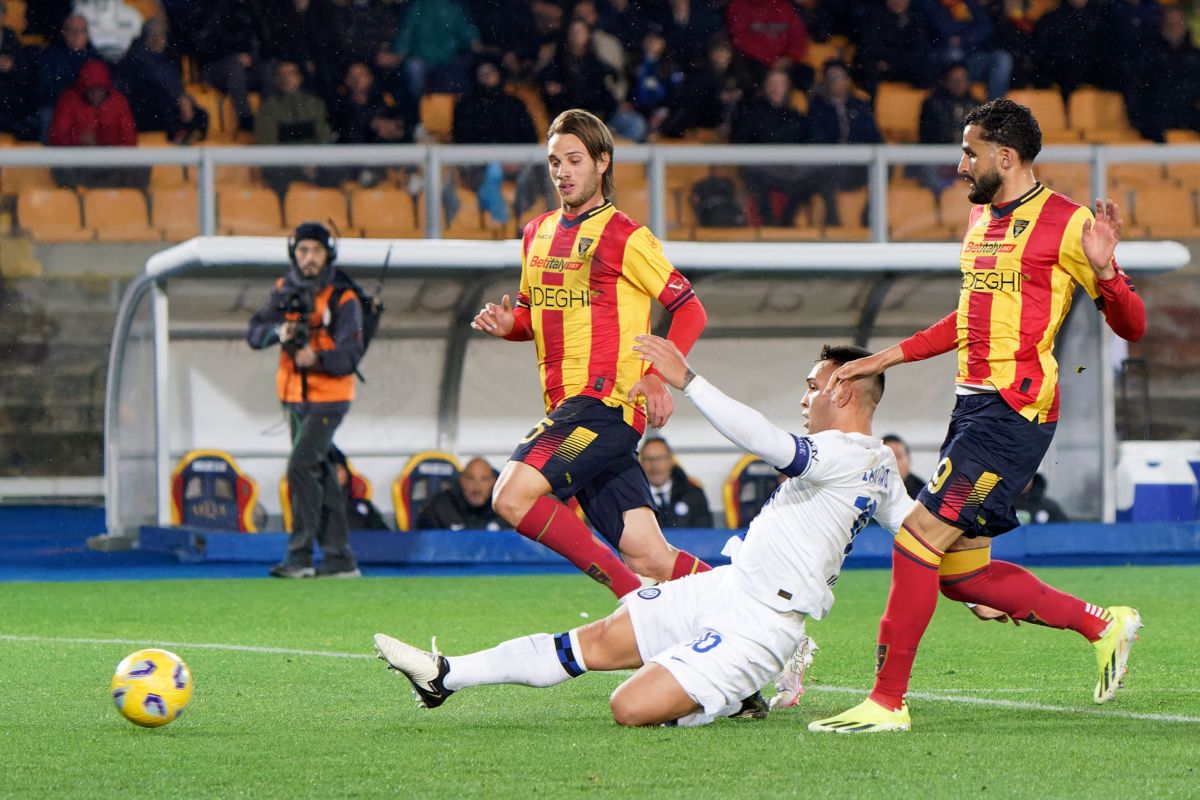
(271, 725)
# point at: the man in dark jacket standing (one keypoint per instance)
(679, 502)
(318, 323)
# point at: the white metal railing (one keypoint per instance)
(431, 158)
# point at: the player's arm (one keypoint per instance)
(737, 422)
(1087, 253)
(940, 337)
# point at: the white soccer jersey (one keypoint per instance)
(837, 483)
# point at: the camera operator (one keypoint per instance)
(318, 324)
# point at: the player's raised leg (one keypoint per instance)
(539, 660)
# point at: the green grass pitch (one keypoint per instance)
(997, 711)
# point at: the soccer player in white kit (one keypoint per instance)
(703, 644)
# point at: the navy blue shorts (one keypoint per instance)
(990, 453)
(585, 449)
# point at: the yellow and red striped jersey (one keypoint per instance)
(1020, 266)
(588, 282)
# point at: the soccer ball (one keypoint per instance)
(151, 687)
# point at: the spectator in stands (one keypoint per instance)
(771, 35)
(368, 27)
(59, 65)
(678, 502)
(609, 49)
(710, 93)
(1034, 507)
(363, 115)
(912, 484)
(1071, 46)
(963, 31)
(293, 116)
(894, 46)
(227, 48)
(318, 326)
(361, 513)
(654, 80)
(627, 20)
(576, 78)
(154, 86)
(690, 26)
(466, 506)
(1133, 28)
(112, 26)
(771, 119)
(1014, 21)
(94, 114)
(508, 33)
(836, 116)
(942, 116)
(1169, 79)
(308, 33)
(1194, 23)
(17, 64)
(434, 46)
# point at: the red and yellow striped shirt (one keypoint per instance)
(588, 283)
(1020, 266)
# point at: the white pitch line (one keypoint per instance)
(944, 698)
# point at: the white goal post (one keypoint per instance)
(142, 402)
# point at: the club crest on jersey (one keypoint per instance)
(649, 593)
(583, 245)
(1019, 226)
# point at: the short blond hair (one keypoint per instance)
(595, 136)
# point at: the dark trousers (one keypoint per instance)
(318, 507)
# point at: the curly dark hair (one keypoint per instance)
(841, 354)
(1008, 124)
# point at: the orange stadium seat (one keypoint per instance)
(469, 222)
(303, 202)
(1185, 174)
(850, 206)
(14, 180)
(1072, 180)
(51, 215)
(531, 96)
(913, 214)
(746, 234)
(14, 16)
(175, 211)
(898, 112)
(1135, 175)
(1166, 211)
(956, 209)
(210, 100)
(1182, 136)
(249, 211)
(118, 215)
(149, 9)
(1047, 106)
(383, 213)
(1099, 116)
(437, 115)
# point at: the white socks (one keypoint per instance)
(539, 660)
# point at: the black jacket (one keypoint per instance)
(688, 506)
(449, 510)
(492, 117)
(760, 122)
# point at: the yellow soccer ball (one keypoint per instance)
(151, 687)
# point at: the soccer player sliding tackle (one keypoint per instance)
(589, 275)
(1025, 251)
(703, 643)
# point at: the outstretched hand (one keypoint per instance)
(495, 320)
(1100, 238)
(665, 356)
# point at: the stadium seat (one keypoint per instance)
(168, 175)
(955, 209)
(437, 115)
(1047, 106)
(51, 215)
(152, 139)
(1134, 175)
(423, 476)
(1072, 180)
(14, 16)
(1099, 116)
(210, 100)
(175, 211)
(1182, 136)
(743, 234)
(1184, 174)
(149, 9)
(531, 96)
(469, 222)
(360, 489)
(249, 211)
(118, 215)
(1166, 211)
(303, 202)
(383, 213)
(851, 206)
(751, 483)
(209, 490)
(14, 180)
(913, 214)
(898, 112)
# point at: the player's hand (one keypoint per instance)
(495, 320)
(659, 404)
(986, 614)
(852, 371)
(305, 357)
(1100, 238)
(665, 356)
(287, 331)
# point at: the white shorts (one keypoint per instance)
(719, 643)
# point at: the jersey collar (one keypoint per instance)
(1005, 209)
(570, 222)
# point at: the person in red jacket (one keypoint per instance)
(94, 114)
(770, 35)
